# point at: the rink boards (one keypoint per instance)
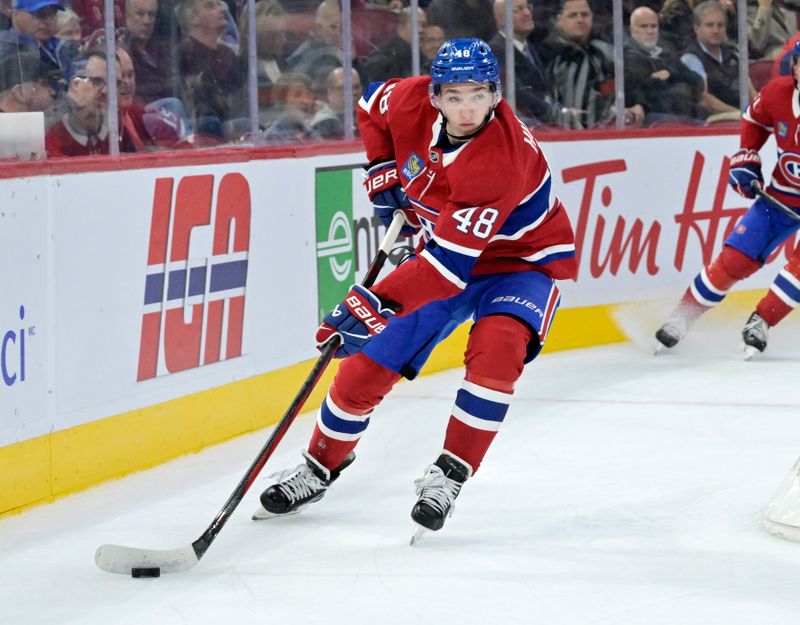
(158, 304)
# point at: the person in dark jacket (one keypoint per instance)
(393, 58)
(655, 78)
(532, 91)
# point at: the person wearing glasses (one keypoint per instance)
(83, 129)
(33, 29)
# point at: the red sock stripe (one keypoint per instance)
(467, 442)
(329, 452)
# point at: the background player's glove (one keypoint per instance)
(745, 169)
(356, 320)
(383, 187)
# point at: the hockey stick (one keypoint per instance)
(151, 562)
(775, 203)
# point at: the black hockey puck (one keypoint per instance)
(154, 572)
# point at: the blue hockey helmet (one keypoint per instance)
(465, 60)
(794, 53)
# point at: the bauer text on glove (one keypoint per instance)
(745, 169)
(356, 320)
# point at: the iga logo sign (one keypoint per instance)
(196, 274)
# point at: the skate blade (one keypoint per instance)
(262, 514)
(418, 534)
(749, 351)
(659, 348)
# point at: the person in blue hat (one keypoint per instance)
(33, 29)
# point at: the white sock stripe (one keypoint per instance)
(474, 422)
(337, 436)
(487, 393)
(790, 278)
(707, 282)
(341, 414)
(783, 296)
(696, 294)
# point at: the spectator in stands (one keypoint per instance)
(655, 78)
(581, 69)
(209, 69)
(33, 29)
(715, 60)
(532, 91)
(676, 19)
(92, 14)
(770, 26)
(393, 58)
(294, 100)
(429, 43)
(5, 14)
(68, 26)
(83, 130)
(329, 120)
(147, 126)
(24, 84)
(156, 76)
(463, 18)
(321, 52)
(270, 57)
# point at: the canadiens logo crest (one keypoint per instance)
(783, 129)
(413, 166)
(789, 162)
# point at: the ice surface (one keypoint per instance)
(623, 489)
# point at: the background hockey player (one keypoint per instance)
(450, 152)
(776, 110)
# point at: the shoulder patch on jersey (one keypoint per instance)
(783, 129)
(414, 165)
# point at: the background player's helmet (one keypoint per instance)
(794, 53)
(465, 60)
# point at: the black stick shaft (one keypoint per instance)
(202, 544)
(776, 203)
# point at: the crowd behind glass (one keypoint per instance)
(185, 75)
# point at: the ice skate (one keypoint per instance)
(754, 336)
(674, 329)
(294, 489)
(437, 491)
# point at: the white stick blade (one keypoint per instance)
(119, 559)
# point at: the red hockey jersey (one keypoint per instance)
(485, 205)
(776, 110)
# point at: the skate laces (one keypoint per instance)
(756, 326)
(437, 490)
(299, 483)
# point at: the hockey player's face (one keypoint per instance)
(465, 106)
(796, 70)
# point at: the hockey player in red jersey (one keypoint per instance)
(450, 153)
(775, 110)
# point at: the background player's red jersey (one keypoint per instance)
(776, 110)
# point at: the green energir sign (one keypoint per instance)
(336, 261)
